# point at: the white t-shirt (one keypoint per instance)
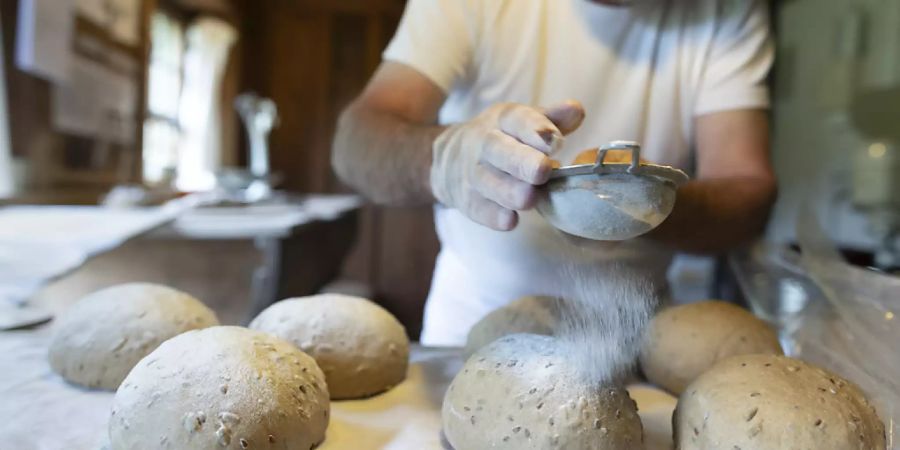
(643, 73)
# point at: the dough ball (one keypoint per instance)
(589, 156)
(533, 315)
(521, 392)
(102, 336)
(762, 402)
(684, 341)
(361, 347)
(221, 388)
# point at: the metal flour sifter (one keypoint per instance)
(610, 201)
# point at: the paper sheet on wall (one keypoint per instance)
(43, 38)
(96, 102)
(120, 17)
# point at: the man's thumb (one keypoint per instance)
(567, 116)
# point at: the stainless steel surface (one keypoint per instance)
(829, 312)
(776, 287)
(856, 329)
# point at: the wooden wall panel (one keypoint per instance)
(300, 80)
(407, 247)
(313, 57)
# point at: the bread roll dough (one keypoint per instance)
(520, 392)
(102, 336)
(360, 346)
(684, 341)
(763, 402)
(533, 315)
(221, 388)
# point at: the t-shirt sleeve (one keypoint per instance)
(437, 38)
(739, 61)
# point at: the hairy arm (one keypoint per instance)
(382, 147)
(729, 201)
(488, 167)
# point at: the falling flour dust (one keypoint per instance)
(604, 319)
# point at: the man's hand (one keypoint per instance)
(489, 167)
(389, 147)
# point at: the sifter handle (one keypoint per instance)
(620, 145)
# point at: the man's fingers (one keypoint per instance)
(515, 158)
(490, 214)
(514, 143)
(567, 116)
(502, 188)
(530, 127)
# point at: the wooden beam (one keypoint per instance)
(215, 7)
(148, 7)
(346, 6)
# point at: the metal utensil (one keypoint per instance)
(609, 201)
(260, 116)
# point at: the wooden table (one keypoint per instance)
(40, 411)
(237, 270)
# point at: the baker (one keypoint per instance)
(472, 101)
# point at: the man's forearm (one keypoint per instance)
(384, 157)
(713, 215)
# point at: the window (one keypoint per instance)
(181, 132)
(6, 175)
(162, 130)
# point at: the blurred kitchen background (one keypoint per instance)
(223, 111)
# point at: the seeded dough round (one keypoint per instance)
(361, 347)
(102, 336)
(761, 402)
(520, 392)
(221, 388)
(684, 341)
(533, 315)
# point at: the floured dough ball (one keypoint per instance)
(762, 402)
(533, 315)
(102, 336)
(221, 388)
(520, 392)
(360, 346)
(684, 341)
(612, 156)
